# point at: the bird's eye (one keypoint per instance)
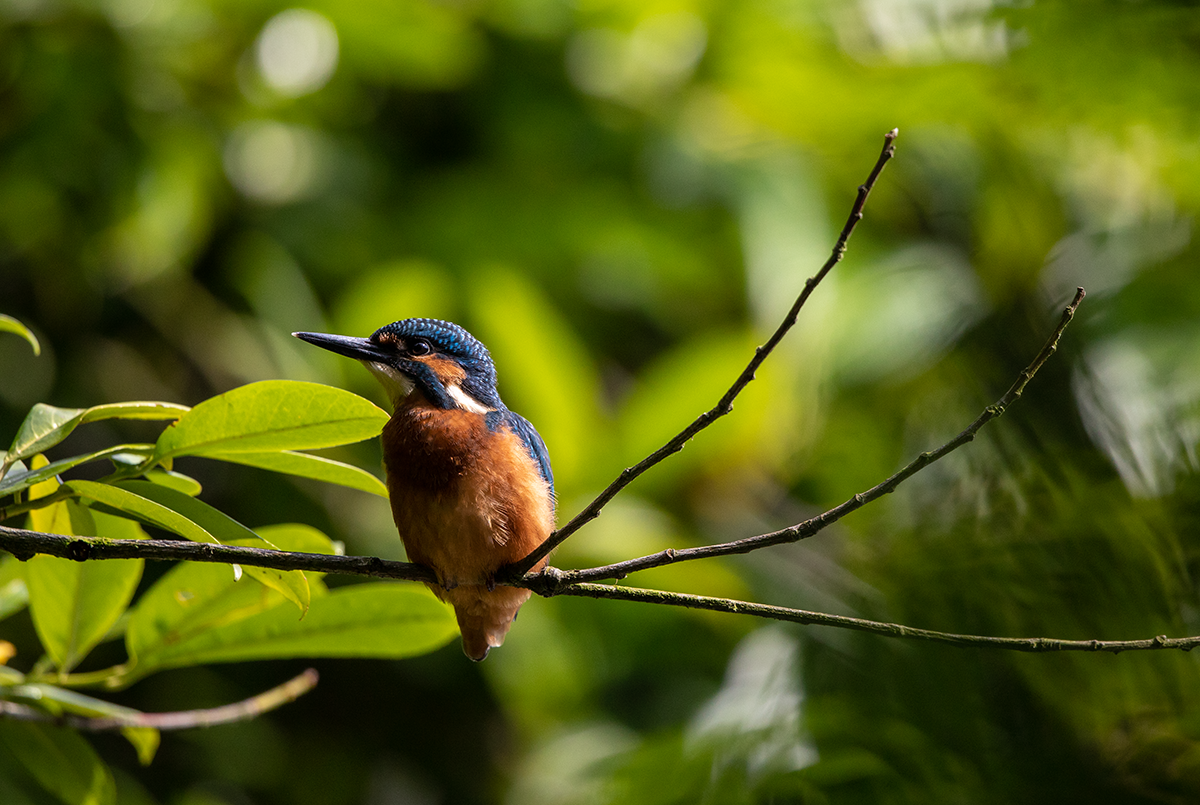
(419, 346)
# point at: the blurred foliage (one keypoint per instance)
(621, 199)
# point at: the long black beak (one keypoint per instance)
(361, 349)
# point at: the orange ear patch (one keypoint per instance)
(447, 371)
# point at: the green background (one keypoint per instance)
(621, 199)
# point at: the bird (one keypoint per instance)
(469, 481)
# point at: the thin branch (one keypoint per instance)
(68, 547)
(551, 580)
(24, 544)
(725, 404)
(13, 509)
(1030, 644)
(185, 719)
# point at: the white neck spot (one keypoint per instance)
(465, 401)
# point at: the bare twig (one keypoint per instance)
(185, 719)
(57, 545)
(517, 569)
(1031, 644)
(554, 579)
(13, 509)
(24, 544)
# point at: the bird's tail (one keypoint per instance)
(484, 616)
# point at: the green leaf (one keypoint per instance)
(291, 583)
(19, 478)
(14, 594)
(140, 410)
(380, 620)
(309, 466)
(140, 507)
(145, 742)
(299, 538)
(10, 325)
(46, 425)
(193, 597)
(272, 415)
(64, 763)
(190, 599)
(57, 701)
(75, 604)
(175, 480)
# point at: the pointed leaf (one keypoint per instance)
(142, 409)
(383, 620)
(226, 530)
(63, 762)
(272, 415)
(75, 604)
(46, 425)
(175, 480)
(142, 508)
(19, 478)
(10, 325)
(145, 742)
(309, 466)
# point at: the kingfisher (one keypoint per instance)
(469, 481)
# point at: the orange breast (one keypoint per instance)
(466, 500)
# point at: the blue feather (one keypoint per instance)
(534, 446)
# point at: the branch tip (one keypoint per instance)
(724, 405)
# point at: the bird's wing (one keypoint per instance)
(533, 443)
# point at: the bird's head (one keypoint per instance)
(448, 365)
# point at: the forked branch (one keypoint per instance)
(554, 578)
(24, 543)
(725, 404)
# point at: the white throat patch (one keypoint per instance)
(397, 384)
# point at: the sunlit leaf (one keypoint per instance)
(272, 415)
(140, 507)
(226, 530)
(309, 466)
(10, 325)
(190, 599)
(141, 410)
(298, 538)
(46, 425)
(175, 480)
(382, 620)
(75, 604)
(14, 594)
(193, 597)
(19, 478)
(60, 760)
